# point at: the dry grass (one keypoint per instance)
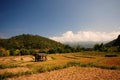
(111, 61)
(14, 70)
(74, 73)
(89, 60)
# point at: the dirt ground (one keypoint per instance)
(74, 73)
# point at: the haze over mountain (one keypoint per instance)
(86, 38)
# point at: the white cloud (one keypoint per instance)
(85, 36)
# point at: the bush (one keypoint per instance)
(4, 52)
(12, 52)
(51, 51)
(111, 55)
(17, 52)
(24, 52)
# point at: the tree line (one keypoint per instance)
(23, 51)
(65, 49)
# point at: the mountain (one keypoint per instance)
(114, 45)
(28, 41)
(115, 42)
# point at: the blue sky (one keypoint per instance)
(53, 18)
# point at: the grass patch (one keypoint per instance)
(53, 58)
(83, 56)
(6, 75)
(109, 67)
(9, 74)
(92, 64)
(70, 57)
(3, 66)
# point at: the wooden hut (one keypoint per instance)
(40, 57)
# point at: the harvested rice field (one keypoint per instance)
(69, 66)
(74, 73)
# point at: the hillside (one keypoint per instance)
(114, 45)
(28, 41)
(115, 42)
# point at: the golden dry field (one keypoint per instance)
(74, 73)
(68, 66)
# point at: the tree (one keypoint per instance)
(78, 48)
(51, 51)
(96, 47)
(100, 47)
(24, 52)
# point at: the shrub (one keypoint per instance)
(51, 51)
(17, 52)
(24, 52)
(4, 52)
(111, 55)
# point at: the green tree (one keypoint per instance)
(78, 48)
(100, 47)
(51, 51)
(24, 52)
(96, 47)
